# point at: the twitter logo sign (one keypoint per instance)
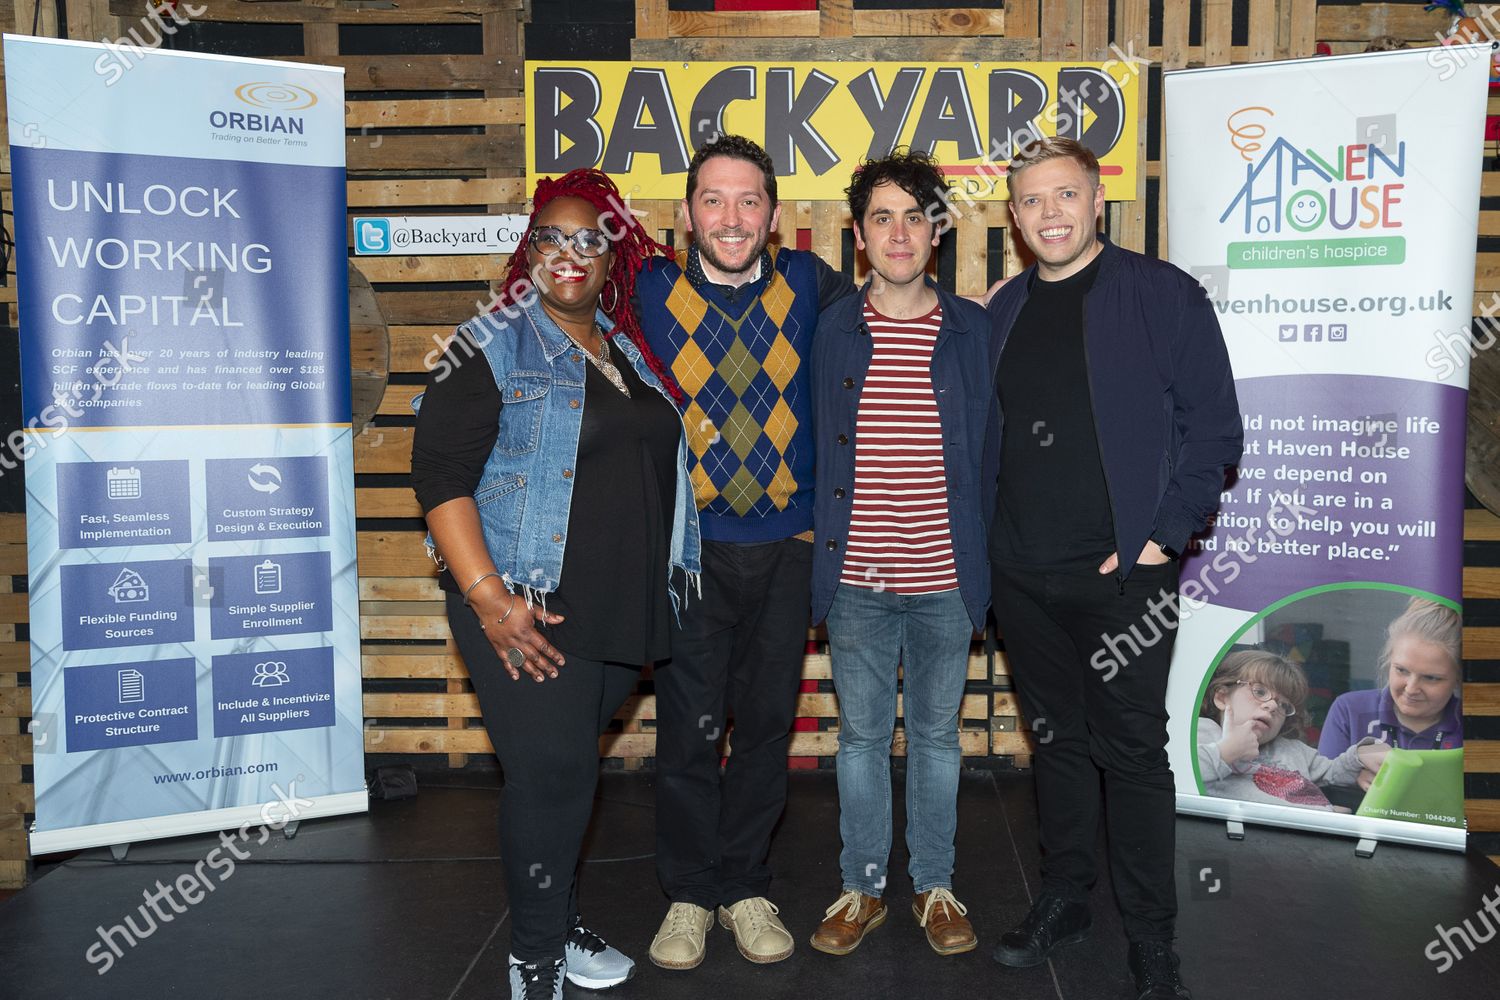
(372, 236)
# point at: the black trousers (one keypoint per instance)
(547, 738)
(1090, 661)
(738, 651)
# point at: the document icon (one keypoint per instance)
(132, 686)
(268, 578)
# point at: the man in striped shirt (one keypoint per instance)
(901, 404)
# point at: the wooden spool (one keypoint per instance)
(1482, 464)
(369, 349)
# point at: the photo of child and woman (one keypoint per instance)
(1346, 701)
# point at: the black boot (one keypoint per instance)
(1052, 923)
(1153, 964)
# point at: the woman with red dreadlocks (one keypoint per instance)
(550, 460)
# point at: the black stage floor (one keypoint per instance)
(408, 902)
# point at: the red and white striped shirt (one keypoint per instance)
(899, 540)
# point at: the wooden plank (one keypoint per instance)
(1481, 582)
(15, 702)
(412, 346)
(284, 12)
(13, 559)
(1482, 757)
(436, 72)
(403, 627)
(651, 19)
(12, 527)
(15, 656)
(1481, 525)
(1128, 219)
(905, 50)
(440, 192)
(1263, 30)
(432, 152)
(393, 269)
(1095, 29)
(1061, 27)
(15, 608)
(830, 219)
(15, 748)
(1482, 699)
(1483, 815)
(386, 502)
(412, 308)
(972, 251)
(743, 24)
(1023, 19)
(1482, 643)
(383, 449)
(446, 112)
(399, 588)
(412, 665)
(1174, 36)
(1011, 743)
(836, 18)
(951, 22)
(1304, 29)
(1362, 22)
(1218, 24)
(397, 399)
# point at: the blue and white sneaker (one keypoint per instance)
(592, 963)
(537, 980)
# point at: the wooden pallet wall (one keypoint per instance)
(441, 132)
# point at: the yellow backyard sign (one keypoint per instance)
(640, 122)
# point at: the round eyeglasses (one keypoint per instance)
(549, 240)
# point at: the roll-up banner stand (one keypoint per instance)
(1330, 208)
(181, 259)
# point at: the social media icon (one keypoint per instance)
(1287, 332)
(1338, 332)
(372, 236)
(1312, 333)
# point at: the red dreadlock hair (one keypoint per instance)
(629, 242)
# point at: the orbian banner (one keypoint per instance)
(641, 122)
(189, 470)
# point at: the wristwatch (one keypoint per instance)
(1167, 550)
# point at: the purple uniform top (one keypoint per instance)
(1357, 714)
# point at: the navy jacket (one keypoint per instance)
(963, 382)
(1165, 408)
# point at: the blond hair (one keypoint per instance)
(1431, 622)
(1031, 151)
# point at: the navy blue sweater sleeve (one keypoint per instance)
(1207, 414)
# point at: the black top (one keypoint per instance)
(1053, 508)
(613, 589)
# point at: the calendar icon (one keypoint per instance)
(122, 484)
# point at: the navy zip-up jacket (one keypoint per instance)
(1165, 409)
(963, 384)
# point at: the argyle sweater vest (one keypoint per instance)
(748, 413)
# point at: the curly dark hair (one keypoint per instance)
(740, 148)
(631, 245)
(913, 171)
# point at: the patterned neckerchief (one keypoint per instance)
(697, 277)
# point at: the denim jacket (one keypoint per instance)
(526, 489)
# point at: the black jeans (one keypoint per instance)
(1090, 660)
(738, 651)
(547, 738)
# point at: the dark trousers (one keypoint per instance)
(547, 738)
(1090, 664)
(738, 651)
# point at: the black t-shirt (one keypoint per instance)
(1053, 508)
(614, 577)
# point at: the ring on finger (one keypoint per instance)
(515, 657)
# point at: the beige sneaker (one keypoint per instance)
(679, 942)
(758, 933)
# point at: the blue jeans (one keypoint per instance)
(869, 633)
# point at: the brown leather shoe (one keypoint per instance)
(847, 922)
(945, 920)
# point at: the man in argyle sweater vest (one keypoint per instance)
(733, 323)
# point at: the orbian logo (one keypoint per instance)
(278, 99)
(277, 96)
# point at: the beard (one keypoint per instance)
(707, 251)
